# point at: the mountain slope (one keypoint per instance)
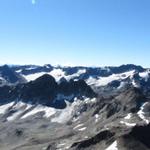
(76, 108)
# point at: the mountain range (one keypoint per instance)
(76, 108)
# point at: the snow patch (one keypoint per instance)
(39, 108)
(32, 77)
(14, 115)
(128, 124)
(141, 113)
(18, 109)
(122, 84)
(82, 129)
(56, 73)
(67, 113)
(135, 84)
(102, 81)
(128, 116)
(144, 75)
(79, 125)
(89, 100)
(4, 108)
(31, 68)
(96, 117)
(18, 71)
(113, 146)
(80, 72)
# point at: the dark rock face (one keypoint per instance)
(142, 134)
(19, 132)
(112, 109)
(9, 75)
(51, 147)
(128, 67)
(132, 98)
(104, 135)
(137, 138)
(76, 87)
(44, 90)
(71, 70)
(114, 84)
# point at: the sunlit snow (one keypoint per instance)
(4, 108)
(66, 114)
(128, 124)
(128, 116)
(113, 146)
(102, 81)
(34, 76)
(82, 129)
(141, 113)
(144, 75)
(19, 108)
(56, 73)
(48, 111)
(79, 125)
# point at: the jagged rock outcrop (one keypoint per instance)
(44, 90)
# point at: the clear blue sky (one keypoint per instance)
(76, 32)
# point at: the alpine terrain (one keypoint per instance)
(74, 108)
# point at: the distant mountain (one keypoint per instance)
(8, 76)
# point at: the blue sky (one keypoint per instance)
(75, 32)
